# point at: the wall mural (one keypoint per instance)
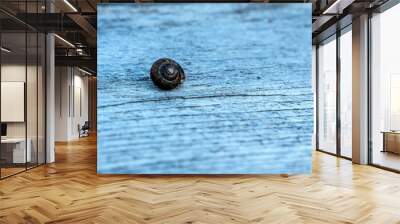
(204, 88)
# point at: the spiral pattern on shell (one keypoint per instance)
(166, 74)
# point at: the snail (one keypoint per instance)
(166, 73)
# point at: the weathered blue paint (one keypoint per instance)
(246, 105)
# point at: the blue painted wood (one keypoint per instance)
(246, 105)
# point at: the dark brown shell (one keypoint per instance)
(166, 74)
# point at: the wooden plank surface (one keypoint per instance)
(70, 191)
(246, 105)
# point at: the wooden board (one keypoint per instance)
(70, 191)
(246, 105)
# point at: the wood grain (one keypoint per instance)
(70, 191)
(246, 105)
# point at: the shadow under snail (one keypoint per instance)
(167, 74)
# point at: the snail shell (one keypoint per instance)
(166, 74)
